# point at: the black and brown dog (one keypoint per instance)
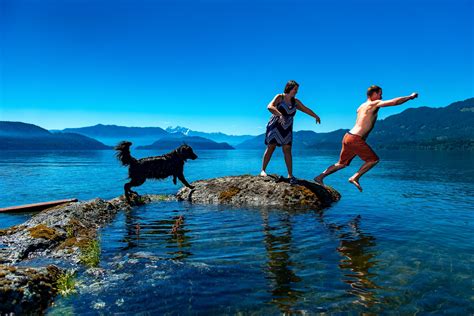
(158, 167)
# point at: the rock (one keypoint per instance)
(58, 232)
(25, 291)
(96, 272)
(257, 191)
(62, 231)
(99, 304)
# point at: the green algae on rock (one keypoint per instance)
(45, 232)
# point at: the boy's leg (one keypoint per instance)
(331, 169)
(370, 160)
(363, 169)
(345, 158)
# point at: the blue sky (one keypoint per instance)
(215, 65)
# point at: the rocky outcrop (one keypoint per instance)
(257, 191)
(27, 291)
(58, 234)
(50, 232)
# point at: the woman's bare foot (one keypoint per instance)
(263, 174)
(318, 180)
(356, 183)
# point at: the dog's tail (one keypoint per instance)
(123, 153)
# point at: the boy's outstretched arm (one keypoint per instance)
(396, 101)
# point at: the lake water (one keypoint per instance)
(405, 245)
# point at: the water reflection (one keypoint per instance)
(282, 278)
(356, 248)
(132, 237)
(145, 233)
(178, 239)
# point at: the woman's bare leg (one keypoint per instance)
(266, 158)
(288, 159)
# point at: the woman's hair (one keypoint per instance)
(373, 89)
(290, 85)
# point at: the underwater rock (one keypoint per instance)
(271, 191)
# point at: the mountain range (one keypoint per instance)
(232, 140)
(302, 140)
(450, 127)
(141, 136)
(18, 135)
(150, 137)
(196, 142)
(24, 136)
(113, 134)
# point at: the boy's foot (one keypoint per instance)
(263, 174)
(318, 180)
(293, 181)
(356, 183)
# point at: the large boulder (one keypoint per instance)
(257, 191)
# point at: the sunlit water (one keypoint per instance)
(405, 245)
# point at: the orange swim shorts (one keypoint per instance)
(354, 145)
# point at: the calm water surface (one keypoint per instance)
(405, 245)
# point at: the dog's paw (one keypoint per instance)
(191, 187)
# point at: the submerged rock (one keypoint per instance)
(270, 191)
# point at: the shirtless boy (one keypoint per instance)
(353, 143)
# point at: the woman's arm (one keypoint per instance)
(273, 104)
(300, 106)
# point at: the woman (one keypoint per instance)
(280, 127)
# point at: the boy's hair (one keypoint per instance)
(372, 89)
